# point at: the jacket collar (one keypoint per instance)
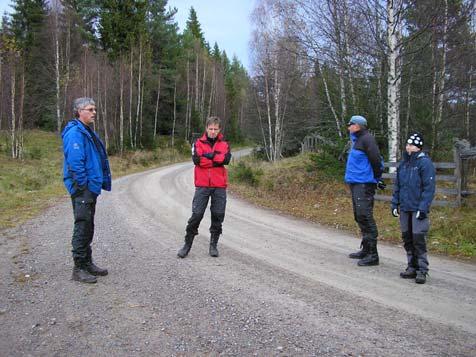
(413, 156)
(204, 137)
(357, 134)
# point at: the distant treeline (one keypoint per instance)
(146, 77)
(405, 65)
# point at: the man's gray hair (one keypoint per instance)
(81, 103)
(213, 121)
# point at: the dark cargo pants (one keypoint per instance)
(414, 233)
(199, 205)
(363, 205)
(84, 208)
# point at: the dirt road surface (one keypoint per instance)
(281, 286)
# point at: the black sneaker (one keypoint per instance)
(408, 274)
(420, 277)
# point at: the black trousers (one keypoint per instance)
(363, 205)
(84, 208)
(199, 205)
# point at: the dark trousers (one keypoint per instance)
(199, 205)
(84, 208)
(414, 233)
(363, 205)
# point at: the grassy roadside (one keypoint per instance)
(30, 185)
(310, 186)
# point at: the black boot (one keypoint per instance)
(372, 256)
(361, 253)
(420, 277)
(409, 273)
(82, 275)
(183, 252)
(95, 270)
(213, 245)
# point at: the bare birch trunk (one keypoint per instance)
(261, 126)
(347, 62)
(140, 114)
(270, 126)
(380, 98)
(409, 98)
(67, 64)
(13, 129)
(175, 113)
(340, 55)
(393, 81)
(277, 125)
(202, 97)
(98, 99)
(121, 107)
(57, 73)
(157, 106)
(381, 64)
(442, 81)
(139, 86)
(329, 100)
(130, 99)
(212, 91)
(188, 100)
(104, 110)
(468, 106)
(20, 117)
(1, 88)
(197, 84)
(342, 93)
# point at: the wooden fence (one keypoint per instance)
(457, 172)
(455, 179)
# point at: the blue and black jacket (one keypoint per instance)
(364, 164)
(414, 187)
(85, 160)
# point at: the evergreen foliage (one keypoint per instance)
(147, 78)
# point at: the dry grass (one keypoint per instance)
(29, 186)
(295, 186)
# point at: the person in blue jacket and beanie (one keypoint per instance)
(85, 173)
(413, 192)
(363, 174)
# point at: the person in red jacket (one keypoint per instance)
(209, 154)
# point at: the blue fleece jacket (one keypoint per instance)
(85, 165)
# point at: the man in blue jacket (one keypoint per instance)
(363, 174)
(86, 172)
(413, 193)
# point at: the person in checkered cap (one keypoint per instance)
(413, 192)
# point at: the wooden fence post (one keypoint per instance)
(458, 174)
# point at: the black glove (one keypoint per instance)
(209, 155)
(381, 185)
(395, 212)
(421, 215)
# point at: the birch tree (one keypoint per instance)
(394, 16)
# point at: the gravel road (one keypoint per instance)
(281, 286)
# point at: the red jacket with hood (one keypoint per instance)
(210, 171)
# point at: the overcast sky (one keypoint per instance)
(224, 21)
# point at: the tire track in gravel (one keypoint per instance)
(281, 286)
(317, 253)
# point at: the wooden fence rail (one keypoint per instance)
(463, 153)
(455, 179)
